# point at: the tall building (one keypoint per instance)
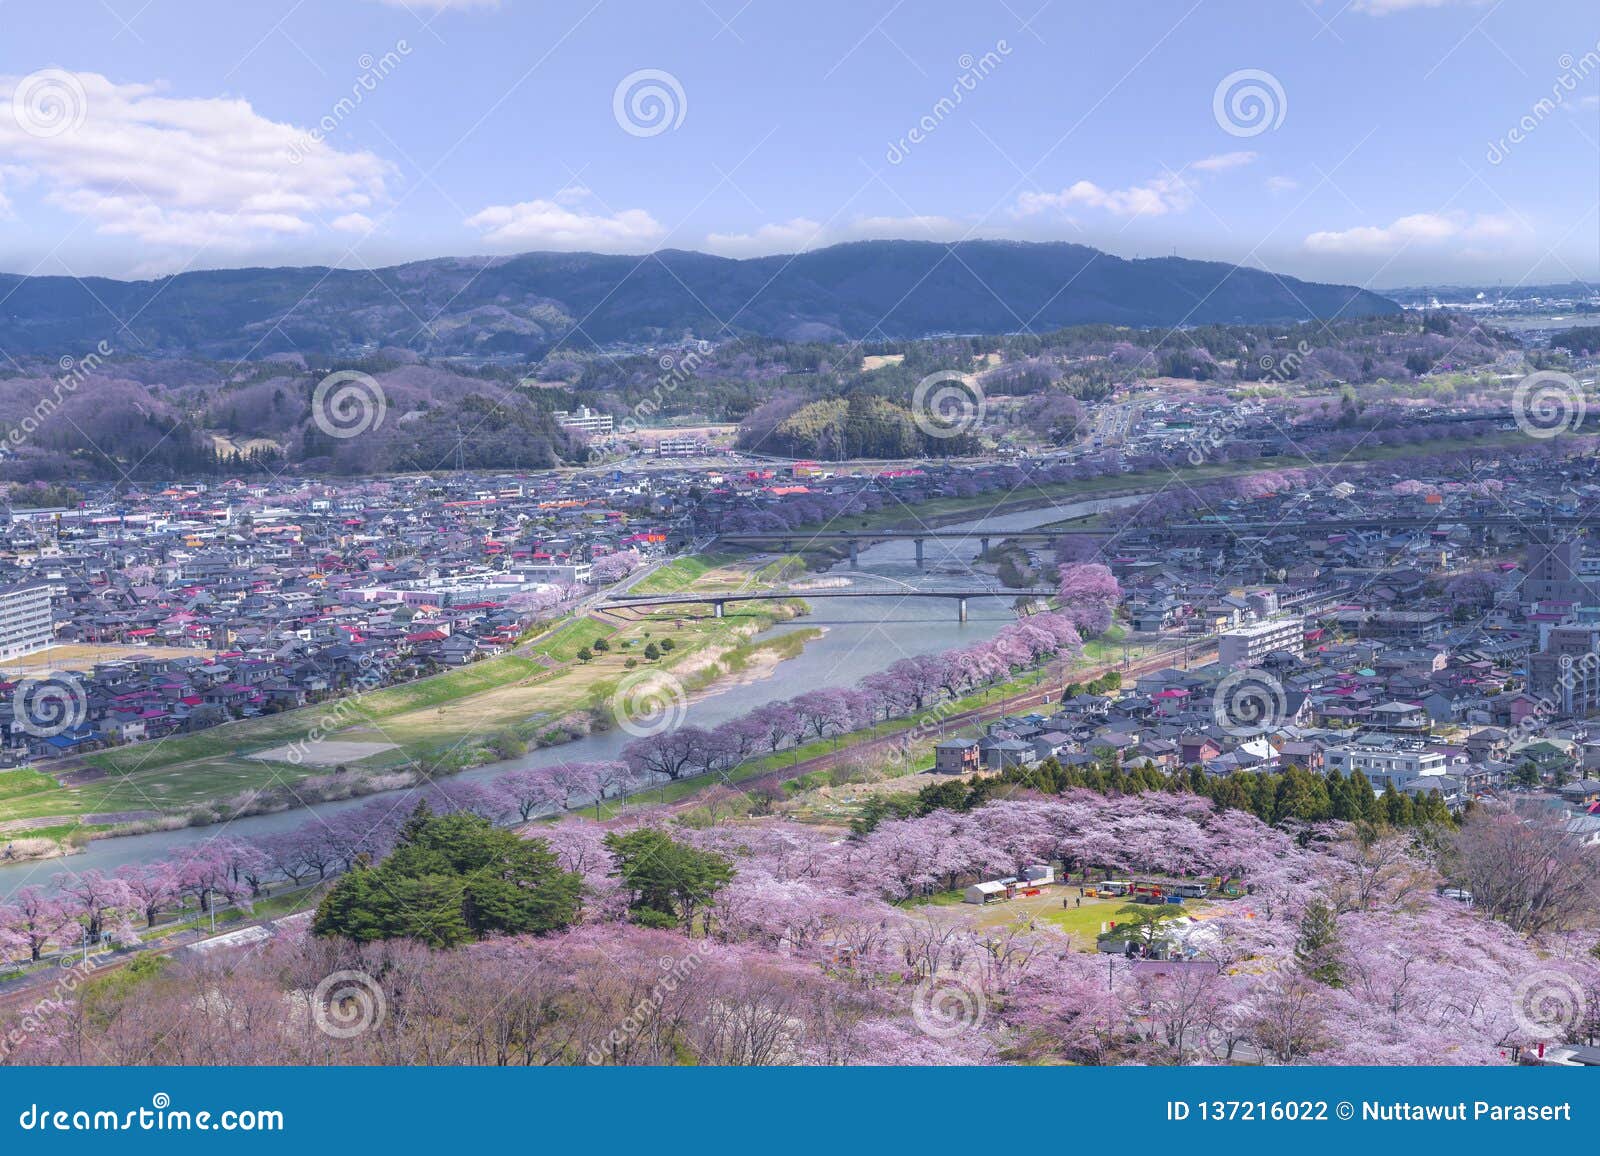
(1246, 646)
(1551, 572)
(26, 623)
(1566, 673)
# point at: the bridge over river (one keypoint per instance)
(718, 600)
(789, 541)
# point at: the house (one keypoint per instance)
(1197, 749)
(1583, 794)
(956, 757)
(1399, 716)
(998, 754)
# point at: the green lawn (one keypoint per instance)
(563, 644)
(680, 573)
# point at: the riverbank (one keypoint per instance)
(860, 637)
(905, 743)
(943, 512)
(548, 693)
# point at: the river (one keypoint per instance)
(861, 636)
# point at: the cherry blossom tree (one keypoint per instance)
(94, 898)
(151, 887)
(1088, 592)
(35, 919)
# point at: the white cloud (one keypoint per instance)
(920, 228)
(1171, 192)
(549, 224)
(180, 172)
(1282, 184)
(792, 236)
(1168, 193)
(354, 223)
(1215, 164)
(1418, 229)
(801, 233)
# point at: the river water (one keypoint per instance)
(861, 636)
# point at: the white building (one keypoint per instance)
(560, 573)
(1376, 760)
(586, 421)
(1246, 646)
(679, 447)
(26, 623)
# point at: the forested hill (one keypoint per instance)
(520, 306)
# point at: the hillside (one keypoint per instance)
(522, 305)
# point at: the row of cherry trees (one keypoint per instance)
(1088, 596)
(93, 904)
(1341, 952)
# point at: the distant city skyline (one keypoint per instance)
(1384, 143)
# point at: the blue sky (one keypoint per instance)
(1393, 142)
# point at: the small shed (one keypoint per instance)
(985, 892)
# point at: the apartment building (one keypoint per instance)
(1566, 673)
(26, 623)
(1246, 646)
(586, 421)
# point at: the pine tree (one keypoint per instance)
(1317, 949)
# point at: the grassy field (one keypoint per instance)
(443, 721)
(82, 656)
(1058, 907)
(680, 574)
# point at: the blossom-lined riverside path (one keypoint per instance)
(862, 636)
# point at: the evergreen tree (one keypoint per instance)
(1317, 949)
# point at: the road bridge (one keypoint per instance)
(960, 596)
(789, 541)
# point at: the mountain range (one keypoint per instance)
(521, 306)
